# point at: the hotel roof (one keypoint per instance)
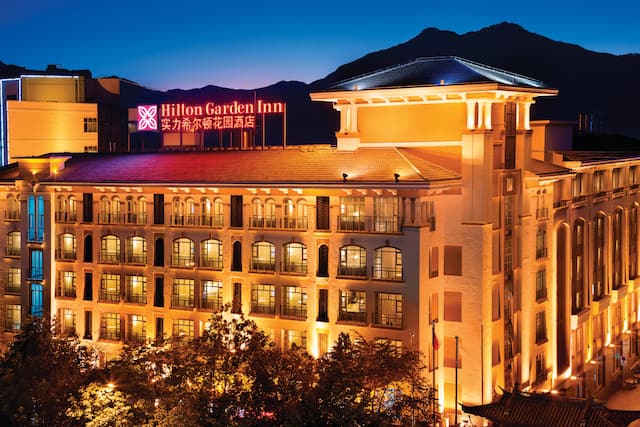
(447, 70)
(305, 166)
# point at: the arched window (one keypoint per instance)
(633, 241)
(136, 210)
(158, 256)
(206, 212)
(177, 211)
(211, 254)
(183, 253)
(218, 212)
(617, 249)
(578, 266)
(263, 256)
(236, 262)
(66, 209)
(66, 248)
(136, 250)
(13, 208)
(599, 239)
(35, 206)
(270, 213)
(105, 210)
(353, 261)
(388, 264)
(294, 258)
(110, 249)
(289, 220)
(257, 213)
(13, 243)
(189, 211)
(115, 217)
(323, 261)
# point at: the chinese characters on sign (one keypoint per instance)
(205, 117)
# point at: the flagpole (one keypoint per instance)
(455, 413)
(433, 360)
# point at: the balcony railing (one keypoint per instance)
(109, 257)
(258, 265)
(136, 298)
(69, 292)
(541, 294)
(110, 218)
(293, 267)
(212, 220)
(136, 258)
(349, 316)
(106, 334)
(390, 320)
(12, 288)
(136, 337)
(213, 304)
(345, 270)
(197, 220)
(214, 263)
(263, 308)
(63, 216)
(65, 255)
(262, 222)
(12, 215)
(541, 253)
(136, 218)
(369, 224)
(299, 312)
(542, 213)
(108, 296)
(182, 261)
(13, 251)
(181, 301)
(294, 223)
(382, 273)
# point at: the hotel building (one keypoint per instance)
(442, 212)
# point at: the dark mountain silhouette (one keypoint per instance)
(602, 84)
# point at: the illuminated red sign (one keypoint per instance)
(181, 117)
(147, 117)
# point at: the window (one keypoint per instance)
(218, 213)
(236, 303)
(541, 243)
(109, 211)
(35, 208)
(453, 306)
(88, 325)
(136, 328)
(159, 328)
(633, 241)
(14, 280)
(110, 249)
(541, 285)
(323, 305)
(263, 215)
(110, 326)
(353, 306)
(37, 299)
(87, 207)
(323, 261)
(158, 295)
(13, 244)
(322, 213)
(599, 237)
(388, 264)
(136, 289)
(36, 270)
(183, 253)
(13, 208)
(66, 250)
(183, 328)
(352, 216)
(388, 310)
(294, 302)
(110, 287)
(66, 284)
(66, 209)
(577, 285)
(211, 295)
(353, 261)
(12, 321)
(294, 338)
(294, 258)
(90, 124)
(136, 250)
(541, 367)
(451, 356)
(136, 210)
(183, 212)
(495, 302)
(577, 187)
(88, 248)
(236, 211)
(211, 254)
(541, 327)
(617, 268)
(295, 214)
(433, 261)
(263, 299)
(68, 322)
(385, 213)
(634, 179)
(453, 260)
(158, 209)
(598, 182)
(183, 293)
(158, 254)
(236, 262)
(263, 256)
(616, 179)
(88, 286)
(206, 212)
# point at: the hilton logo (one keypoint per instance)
(147, 117)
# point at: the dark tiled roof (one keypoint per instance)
(541, 168)
(592, 157)
(544, 410)
(9, 172)
(435, 71)
(292, 166)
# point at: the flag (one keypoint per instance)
(436, 344)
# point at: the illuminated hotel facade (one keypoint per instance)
(443, 210)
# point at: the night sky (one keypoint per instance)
(250, 44)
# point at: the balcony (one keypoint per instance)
(68, 217)
(136, 258)
(541, 253)
(13, 251)
(387, 320)
(257, 308)
(369, 224)
(136, 298)
(258, 265)
(136, 218)
(212, 304)
(293, 267)
(110, 218)
(294, 223)
(262, 222)
(382, 273)
(542, 213)
(211, 220)
(65, 255)
(541, 294)
(12, 215)
(109, 296)
(197, 221)
(12, 288)
(212, 263)
(345, 270)
(69, 292)
(297, 311)
(109, 258)
(182, 261)
(352, 316)
(180, 301)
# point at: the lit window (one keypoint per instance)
(295, 338)
(183, 293)
(352, 216)
(270, 213)
(598, 182)
(353, 306)
(295, 258)
(541, 285)
(136, 289)
(541, 243)
(353, 261)
(388, 310)
(257, 213)
(541, 327)
(13, 208)
(36, 271)
(110, 287)
(109, 211)
(12, 321)
(110, 249)
(211, 254)
(90, 124)
(294, 302)
(68, 319)
(66, 209)
(263, 256)
(183, 254)
(183, 328)
(37, 299)
(14, 280)
(35, 208)
(385, 212)
(388, 265)
(66, 249)
(13, 244)
(110, 326)
(295, 214)
(137, 325)
(212, 294)
(67, 284)
(263, 299)
(136, 210)
(136, 250)
(218, 213)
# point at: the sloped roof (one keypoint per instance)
(304, 165)
(594, 157)
(435, 71)
(543, 169)
(544, 410)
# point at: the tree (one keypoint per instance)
(100, 405)
(39, 373)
